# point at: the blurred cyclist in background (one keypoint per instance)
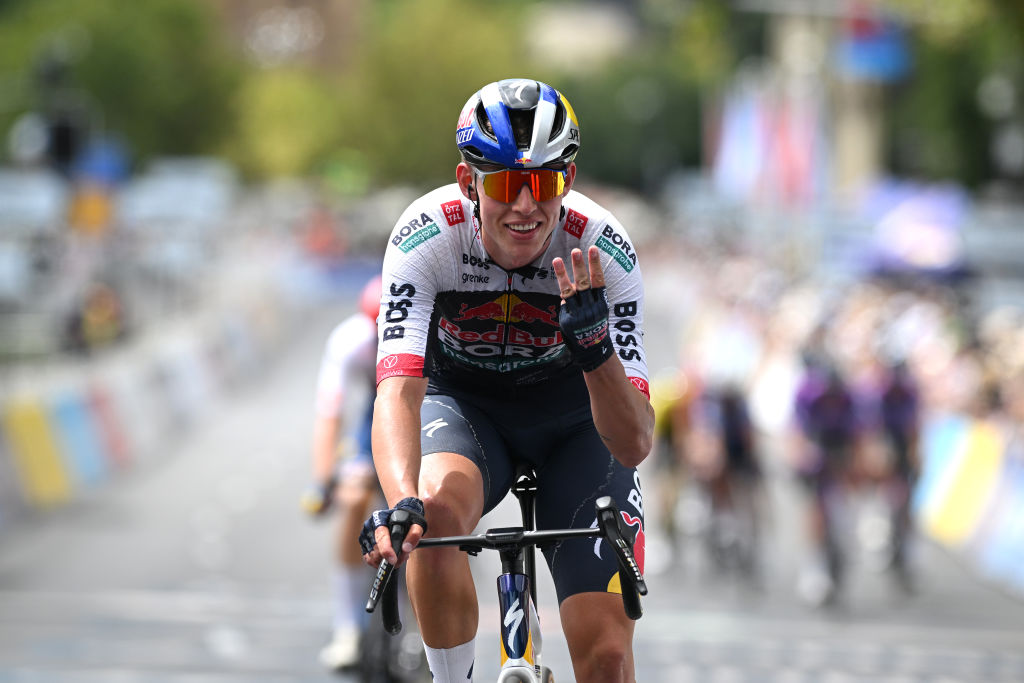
(899, 408)
(347, 367)
(672, 391)
(723, 459)
(826, 413)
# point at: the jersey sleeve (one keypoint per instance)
(624, 288)
(344, 363)
(332, 376)
(412, 263)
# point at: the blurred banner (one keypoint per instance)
(970, 497)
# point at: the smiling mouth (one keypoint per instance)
(522, 228)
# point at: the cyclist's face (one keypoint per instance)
(514, 234)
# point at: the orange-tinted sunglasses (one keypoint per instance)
(544, 183)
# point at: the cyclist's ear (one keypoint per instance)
(570, 176)
(465, 176)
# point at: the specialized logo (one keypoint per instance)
(433, 426)
(575, 223)
(513, 618)
(616, 246)
(453, 212)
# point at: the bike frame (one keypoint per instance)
(519, 625)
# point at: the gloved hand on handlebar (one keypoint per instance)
(317, 499)
(379, 518)
(584, 322)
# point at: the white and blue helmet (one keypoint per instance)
(517, 123)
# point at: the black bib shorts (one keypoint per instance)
(573, 467)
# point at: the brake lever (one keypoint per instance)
(631, 578)
(383, 586)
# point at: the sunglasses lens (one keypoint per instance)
(505, 186)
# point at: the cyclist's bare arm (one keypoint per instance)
(623, 416)
(325, 444)
(396, 452)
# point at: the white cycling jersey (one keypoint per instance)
(451, 313)
(348, 360)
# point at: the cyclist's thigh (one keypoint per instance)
(569, 482)
(453, 425)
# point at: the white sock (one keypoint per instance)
(452, 664)
(349, 586)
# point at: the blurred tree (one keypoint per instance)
(936, 123)
(418, 64)
(646, 112)
(287, 122)
(159, 72)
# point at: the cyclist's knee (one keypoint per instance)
(600, 636)
(447, 514)
(452, 492)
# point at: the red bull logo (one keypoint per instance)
(524, 160)
(640, 540)
(529, 313)
(492, 310)
(508, 308)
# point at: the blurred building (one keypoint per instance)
(322, 33)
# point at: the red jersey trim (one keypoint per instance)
(638, 382)
(399, 364)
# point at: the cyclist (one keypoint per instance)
(900, 412)
(511, 330)
(348, 364)
(672, 393)
(725, 461)
(826, 412)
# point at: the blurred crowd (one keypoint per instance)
(826, 382)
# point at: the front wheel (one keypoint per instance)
(546, 676)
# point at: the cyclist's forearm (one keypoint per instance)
(396, 436)
(325, 443)
(623, 416)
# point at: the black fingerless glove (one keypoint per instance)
(368, 537)
(584, 322)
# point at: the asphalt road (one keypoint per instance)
(200, 567)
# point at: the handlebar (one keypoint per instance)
(513, 539)
(383, 586)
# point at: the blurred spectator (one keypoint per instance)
(97, 322)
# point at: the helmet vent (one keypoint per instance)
(556, 126)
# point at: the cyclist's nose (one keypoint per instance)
(524, 201)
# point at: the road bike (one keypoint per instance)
(521, 640)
